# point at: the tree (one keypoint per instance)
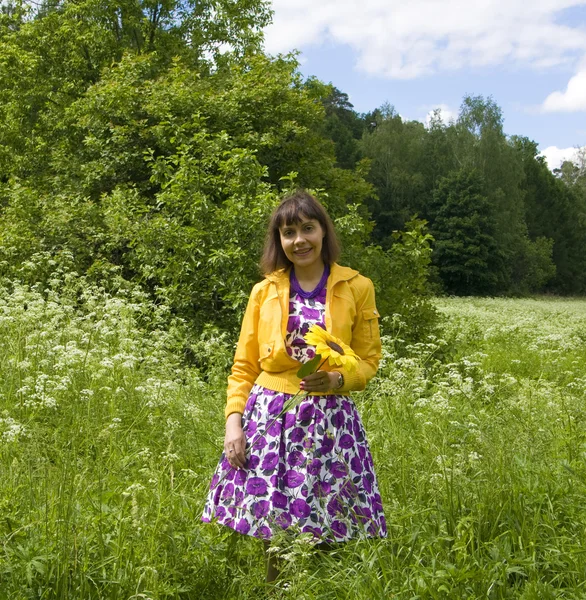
(467, 254)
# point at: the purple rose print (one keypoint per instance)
(279, 500)
(284, 520)
(366, 483)
(338, 469)
(289, 420)
(220, 512)
(338, 420)
(238, 497)
(261, 508)
(383, 524)
(331, 402)
(259, 443)
(253, 462)
(273, 479)
(300, 509)
(264, 532)
(363, 514)
(270, 461)
(317, 531)
(356, 465)
(314, 467)
(251, 429)
(293, 479)
(327, 445)
(256, 486)
(214, 482)
(319, 415)
(218, 494)
(349, 490)
(243, 526)
(296, 458)
(250, 402)
(346, 441)
(274, 429)
(334, 506)
(297, 435)
(240, 477)
(228, 491)
(346, 406)
(293, 323)
(310, 353)
(276, 405)
(377, 504)
(306, 411)
(339, 528)
(321, 488)
(362, 452)
(311, 314)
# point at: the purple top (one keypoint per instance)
(318, 288)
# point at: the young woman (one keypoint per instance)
(307, 469)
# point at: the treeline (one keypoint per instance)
(137, 150)
(502, 221)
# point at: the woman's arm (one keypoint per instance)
(246, 367)
(365, 338)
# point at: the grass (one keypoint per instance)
(108, 442)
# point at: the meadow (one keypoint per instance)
(111, 423)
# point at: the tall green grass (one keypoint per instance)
(108, 442)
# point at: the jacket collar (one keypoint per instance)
(337, 273)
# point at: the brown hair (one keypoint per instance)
(290, 211)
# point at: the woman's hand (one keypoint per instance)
(235, 441)
(320, 381)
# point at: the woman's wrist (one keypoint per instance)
(234, 420)
(338, 380)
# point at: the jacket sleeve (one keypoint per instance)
(246, 367)
(365, 339)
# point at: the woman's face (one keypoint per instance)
(302, 242)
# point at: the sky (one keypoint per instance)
(419, 55)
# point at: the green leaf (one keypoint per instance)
(309, 367)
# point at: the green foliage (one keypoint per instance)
(557, 210)
(400, 276)
(466, 251)
(169, 177)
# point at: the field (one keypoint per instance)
(108, 441)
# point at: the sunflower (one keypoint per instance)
(332, 348)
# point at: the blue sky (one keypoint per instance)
(423, 54)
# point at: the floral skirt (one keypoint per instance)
(308, 470)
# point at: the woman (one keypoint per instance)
(309, 468)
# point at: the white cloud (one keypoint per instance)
(572, 99)
(446, 113)
(398, 39)
(555, 156)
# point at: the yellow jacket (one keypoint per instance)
(261, 357)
